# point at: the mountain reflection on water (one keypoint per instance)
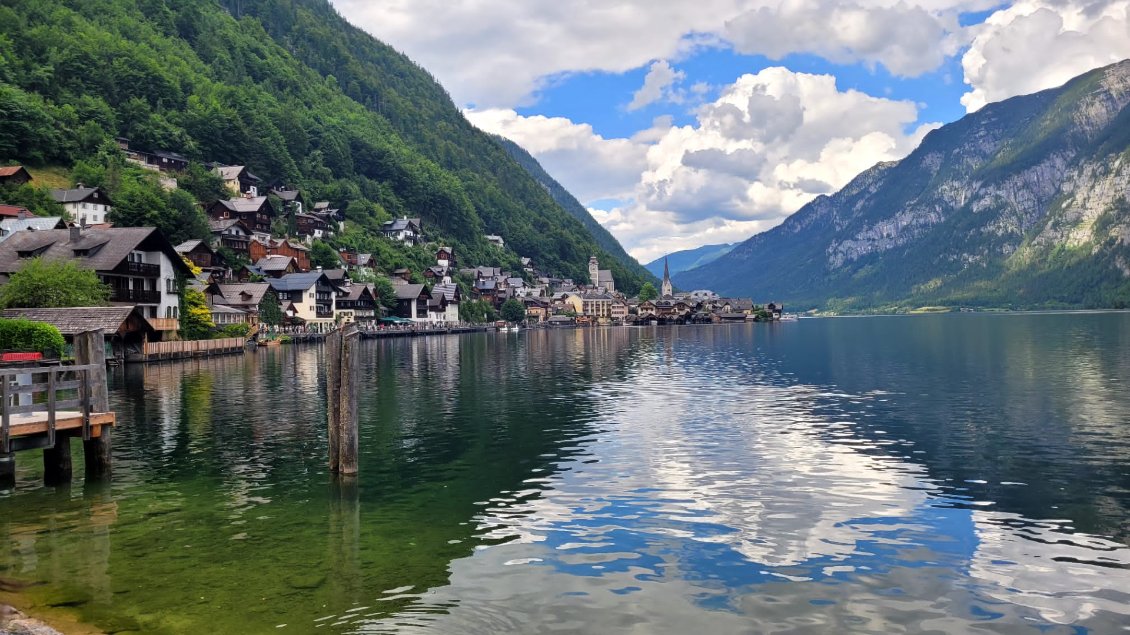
(937, 473)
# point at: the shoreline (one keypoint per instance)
(38, 619)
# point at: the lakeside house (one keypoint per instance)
(310, 297)
(138, 264)
(412, 302)
(125, 328)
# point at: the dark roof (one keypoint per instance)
(232, 172)
(74, 320)
(169, 155)
(298, 281)
(409, 291)
(286, 195)
(104, 249)
(357, 290)
(245, 204)
(274, 263)
(400, 224)
(335, 275)
(218, 226)
(189, 245)
(80, 194)
(447, 291)
(241, 294)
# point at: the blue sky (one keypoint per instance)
(681, 124)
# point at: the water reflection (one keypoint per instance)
(868, 475)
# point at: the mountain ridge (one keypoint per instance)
(686, 259)
(1024, 203)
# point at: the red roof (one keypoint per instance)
(13, 211)
(10, 170)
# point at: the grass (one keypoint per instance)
(51, 176)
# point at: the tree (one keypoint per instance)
(53, 283)
(386, 295)
(324, 256)
(513, 310)
(196, 319)
(476, 312)
(270, 313)
(648, 292)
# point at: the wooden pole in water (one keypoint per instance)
(90, 348)
(7, 470)
(342, 357)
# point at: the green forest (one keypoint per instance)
(289, 89)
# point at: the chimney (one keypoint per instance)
(319, 268)
(76, 233)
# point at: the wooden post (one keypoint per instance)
(90, 348)
(342, 357)
(7, 470)
(57, 461)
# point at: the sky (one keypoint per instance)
(684, 123)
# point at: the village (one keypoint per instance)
(266, 286)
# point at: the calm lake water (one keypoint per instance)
(940, 474)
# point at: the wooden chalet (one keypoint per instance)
(256, 212)
(125, 328)
(14, 175)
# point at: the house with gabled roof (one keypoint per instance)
(14, 175)
(406, 230)
(231, 233)
(138, 263)
(412, 301)
(238, 179)
(256, 212)
(311, 294)
(443, 306)
(201, 254)
(86, 205)
(276, 266)
(247, 297)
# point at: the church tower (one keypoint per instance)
(594, 271)
(665, 288)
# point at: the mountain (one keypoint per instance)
(1024, 203)
(688, 258)
(293, 91)
(570, 204)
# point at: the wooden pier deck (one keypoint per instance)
(43, 407)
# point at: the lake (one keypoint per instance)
(940, 473)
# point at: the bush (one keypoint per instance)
(234, 330)
(23, 335)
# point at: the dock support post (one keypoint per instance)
(90, 348)
(7, 470)
(342, 358)
(57, 461)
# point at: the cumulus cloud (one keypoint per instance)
(1037, 44)
(499, 53)
(594, 168)
(657, 85)
(766, 146)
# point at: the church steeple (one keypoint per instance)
(665, 288)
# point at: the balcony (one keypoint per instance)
(164, 324)
(139, 269)
(136, 296)
(323, 313)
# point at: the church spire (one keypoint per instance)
(665, 288)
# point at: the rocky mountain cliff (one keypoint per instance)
(1024, 203)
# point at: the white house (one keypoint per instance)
(86, 205)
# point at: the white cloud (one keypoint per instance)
(1037, 44)
(499, 53)
(590, 166)
(657, 85)
(767, 145)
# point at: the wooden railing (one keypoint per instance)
(193, 347)
(60, 388)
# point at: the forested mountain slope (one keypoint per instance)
(288, 88)
(1024, 203)
(678, 261)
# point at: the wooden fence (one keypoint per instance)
(193, 348)
(34, 398)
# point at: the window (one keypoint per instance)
(170, 285)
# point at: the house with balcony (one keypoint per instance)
(256, 212)
(86, 205)
(311, 295)
(138, 263)
(357, 303)
(311, 227)
(443, 306)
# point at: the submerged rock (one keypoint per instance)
(13, 622)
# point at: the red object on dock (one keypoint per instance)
(20, 357)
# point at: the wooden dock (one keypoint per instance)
(43, 407)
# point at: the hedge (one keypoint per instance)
(23, 335)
